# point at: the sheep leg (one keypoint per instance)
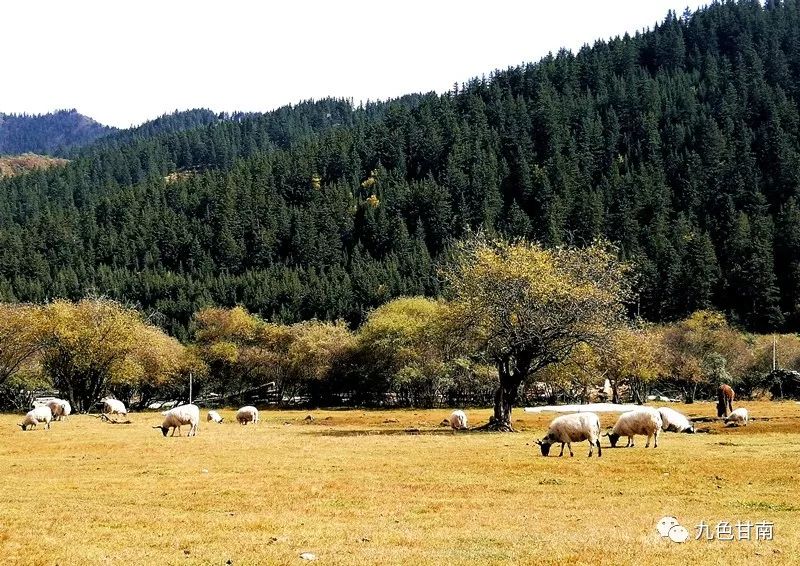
(599, 450)
(562, 450)
(569, 445)
(591, 448)
(647, 444)
(655, 440)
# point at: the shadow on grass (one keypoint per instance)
(391, 432)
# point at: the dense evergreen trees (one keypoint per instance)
(681, 144)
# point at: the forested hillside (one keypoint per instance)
(53, 133)
(682, 145)
(168, 123)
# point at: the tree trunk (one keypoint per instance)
(689, 393)
(504, 399)
(71, 398)
(639, 390)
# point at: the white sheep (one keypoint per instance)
(214, 416)
(60, 408)
(247, 414)
(114, 406)
(673, 421)
(458, 420)
(644, 421)
(178, 416)
(576, 427)
(738, 417)
(37, 415)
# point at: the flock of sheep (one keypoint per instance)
(644, 421)
(577, 427)
(54, 409)
(57, 409)
(565, 429)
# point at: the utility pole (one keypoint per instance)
(774, 353)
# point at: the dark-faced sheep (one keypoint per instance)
(644, 421)
(178, 416)
(567, 429)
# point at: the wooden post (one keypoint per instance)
(774, 353)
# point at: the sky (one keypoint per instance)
(124, 62)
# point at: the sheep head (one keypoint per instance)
(163, 429)
(612, 438)
(544, 445)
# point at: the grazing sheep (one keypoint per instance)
(114, 406)
(247, 414)
(572, 428)
(458, 420)
(60, 408)
(739, 417)
(673, 421)
(214, 416)
(644, 421)
(181, 415)
(37, 415)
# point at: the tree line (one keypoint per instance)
(517, 322)
(680, 144)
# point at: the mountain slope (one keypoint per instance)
(681, 145)
(20, 164)
(47, 133)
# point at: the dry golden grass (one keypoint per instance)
(354, 488)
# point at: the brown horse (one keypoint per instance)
(724, 400)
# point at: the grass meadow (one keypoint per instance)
(359, 487)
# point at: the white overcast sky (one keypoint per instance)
(123, 62)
